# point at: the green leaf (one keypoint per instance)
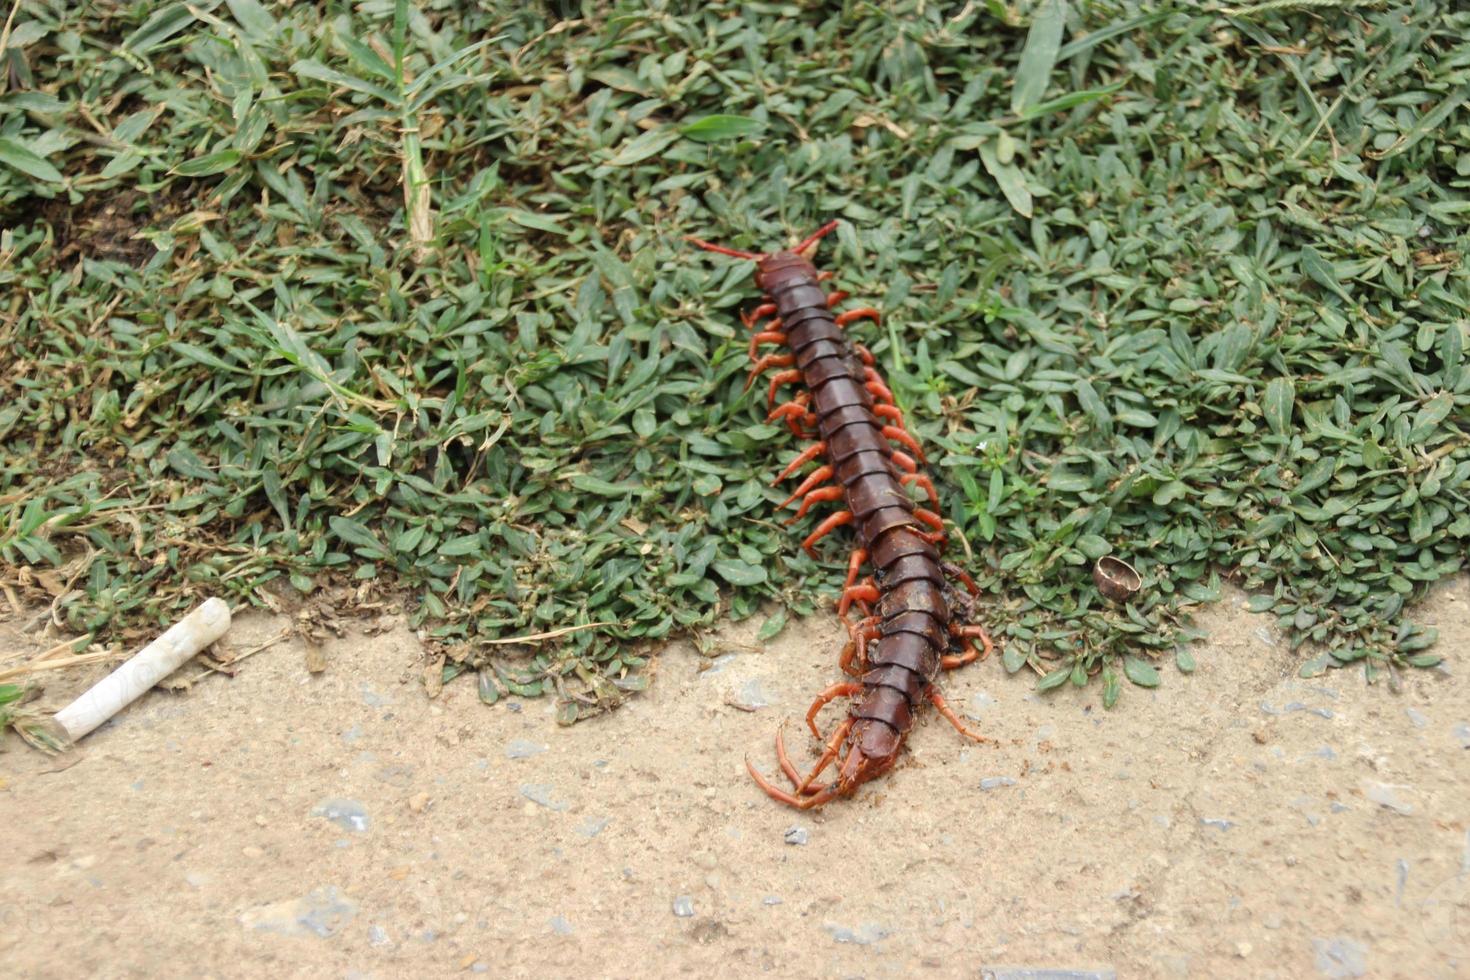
(1055, 678)
(1140, 671)
(1277, 404)
(646, 145)
(709, 129)
(773, 625)
(1008, 176)
(1043, 43)
(737, 572)
(206, 166)
(19, 157)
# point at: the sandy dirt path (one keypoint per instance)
(1241, 821)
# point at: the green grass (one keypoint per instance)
(392, 300)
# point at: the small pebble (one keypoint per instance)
(1387, 795)
(683, 906)
(592, 826)
(251, 851)
(771, 900)
(1217, 822)
(1341, 957)
(521, 749)
(348, 814)
(1418, 718)
(418, 802)
(1462, 734)
(560, 925)
(996, 782)
(796, 834)
(541, 794)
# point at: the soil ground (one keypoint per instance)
(1240, 821)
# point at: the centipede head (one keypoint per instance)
(773, 267)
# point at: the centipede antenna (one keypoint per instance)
(816, 236)
(710, 247)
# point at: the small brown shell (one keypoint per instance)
(1117, 580)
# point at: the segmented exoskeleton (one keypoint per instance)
(913, 623)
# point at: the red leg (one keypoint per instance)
(816, 496)
(972, 653)
(955, 571)
(842, 690)
(765, 337)
(825, 528)
(782, 378)
(835, 297)
(889, 412)
(795, 413)
(769, 361)
(905, 462)
(937, 699)
(807, 455)
(864, 313)
(867, 593)
(817, 478)
(876, 387)
(904, 439)
(765, 309)
(865, 355)
(824, 275)
(854, 566)
(925, 484)
(930, 518)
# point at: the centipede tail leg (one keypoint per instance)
(942, 706)
(831, 694)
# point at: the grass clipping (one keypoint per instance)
(343, 304)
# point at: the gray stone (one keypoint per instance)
(1219, 823)
(592, 826)
(867, 934)
(996, 782)
(1387, 795)
(1418, 718)
(1044, 973)
(560, 925)
(1462, 734)
(378, 936)
(771, 900)
(521, 749)
(347, 814)
(796, 834)
(323, 912)
(978, 705)
(683, 906)
(754, 695)
(541, 794)
(373, 699)
(1341, 956)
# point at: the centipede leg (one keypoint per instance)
(903, 438)
(815, 496)
(863, 313)
(840, 690)
(780, 795)
(835, 297)
(767, 336)
(768, 361)
(779, 379)
(806, 456)
(925, 484)
(831, 751)
(955, 571)
(864, 594)
(816, 479)
(942, 706)
(832, 523)
(972, 653)
(765, 309)
(876, 387)
(865, 355)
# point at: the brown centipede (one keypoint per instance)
(913, 622)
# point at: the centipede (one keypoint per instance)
(916, 609)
